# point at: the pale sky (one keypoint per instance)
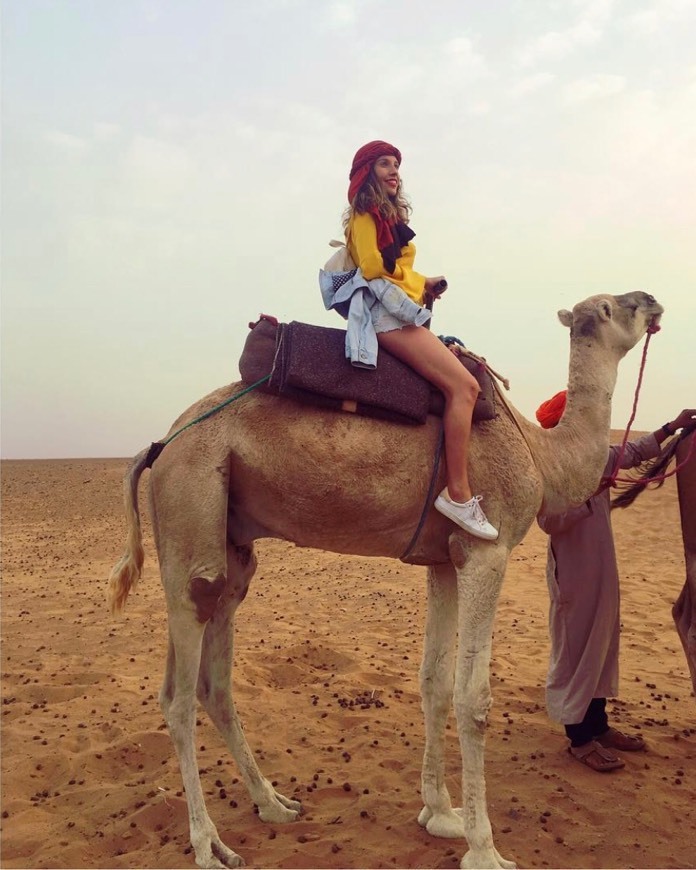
(172, 168)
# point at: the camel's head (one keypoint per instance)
(618, 322)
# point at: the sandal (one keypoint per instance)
(596, 757)
(615, 739)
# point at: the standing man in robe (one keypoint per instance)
(583, 579)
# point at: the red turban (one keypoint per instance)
(362, 163)
(550, 412)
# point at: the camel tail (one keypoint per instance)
(127, 571)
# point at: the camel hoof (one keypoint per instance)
(505, 864)
(280, 811)
(290, 803)
(218, 857)
(488, 860)
(424, 817)
(448, 825)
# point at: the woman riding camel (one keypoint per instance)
(379, 239)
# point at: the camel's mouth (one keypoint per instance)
(654, 324)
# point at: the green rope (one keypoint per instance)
(158, 446)
(429, 496)
(214, 410)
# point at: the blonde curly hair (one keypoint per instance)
(393, 209)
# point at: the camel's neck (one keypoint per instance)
(572, 456)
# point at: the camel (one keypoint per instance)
(266, 466)
(684, 609)
(683, 450)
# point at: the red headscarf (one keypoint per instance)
(550, 412)
(391, 236)
(362, 163)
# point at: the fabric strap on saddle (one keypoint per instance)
(429, 496)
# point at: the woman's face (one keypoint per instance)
(386, 169)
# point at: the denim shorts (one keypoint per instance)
(383, 321)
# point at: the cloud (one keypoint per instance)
(650, 143)
(595, 10)
(530, 84)
(66, 141)
(554, 45)
(478, 107)
(340, 14)
(152, 11)
(437, 79)
(464, 58)
(557, 45)
(658, 15)
(594, 87)
(155, 159)
(104, 131)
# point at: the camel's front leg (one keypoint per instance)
(436, 683)
(480, 572)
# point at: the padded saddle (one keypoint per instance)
(308, 363)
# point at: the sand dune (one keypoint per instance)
(328, 650)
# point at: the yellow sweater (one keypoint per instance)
(362, 244)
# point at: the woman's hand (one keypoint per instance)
(435, 287)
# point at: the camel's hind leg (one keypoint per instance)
(215, 688)
(178, 702)
(480, 574)
(437, 683)
(189, 508)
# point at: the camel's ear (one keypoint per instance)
(565, 317)
(604, 310)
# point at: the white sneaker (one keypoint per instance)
(467, 516)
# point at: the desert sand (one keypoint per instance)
(326, 679)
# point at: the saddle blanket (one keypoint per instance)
(308, 363)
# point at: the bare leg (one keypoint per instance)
(424, 352)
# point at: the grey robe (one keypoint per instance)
(583, 581)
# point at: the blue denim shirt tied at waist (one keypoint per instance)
(353, 297)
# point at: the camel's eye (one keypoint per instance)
(651, 300)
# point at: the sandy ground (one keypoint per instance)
(89, 776)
